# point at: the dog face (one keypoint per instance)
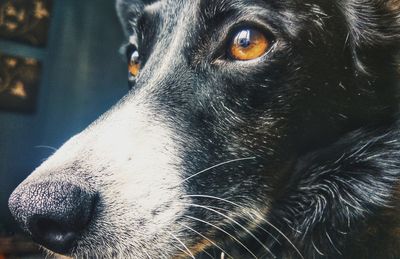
(226, 97)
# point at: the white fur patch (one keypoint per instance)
(130, 158)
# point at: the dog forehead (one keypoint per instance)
(136, 2)
(139, 5)
(129, 11)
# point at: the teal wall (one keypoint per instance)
(83, 75)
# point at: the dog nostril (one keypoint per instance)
(55, 214)
(54, 235)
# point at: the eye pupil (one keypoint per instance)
(244, 43)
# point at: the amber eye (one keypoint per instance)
(134, 63)
(249, 44)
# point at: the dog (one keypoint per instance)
(253, 129)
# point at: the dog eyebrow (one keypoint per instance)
(217, 7)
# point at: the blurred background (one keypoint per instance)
(59, 70)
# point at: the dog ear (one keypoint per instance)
(374, 26)
(128, 11)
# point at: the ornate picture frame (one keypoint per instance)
(19, 83)
(25, 21)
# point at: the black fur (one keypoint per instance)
(293, 155)
(319, 114)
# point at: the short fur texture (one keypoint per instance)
(293, 155)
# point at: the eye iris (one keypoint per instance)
(134, 64)
(249, 44)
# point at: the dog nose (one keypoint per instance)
(54, 214)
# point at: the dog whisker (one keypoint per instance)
(333, 245)
(237, 223)
(180, 249)
(189, 253)
(283, 235)
(316, 249)
(217, 165)
(237, 205)
(259, 217)
(209, 255)
(47, 147)
(225, 232)
(206, 238)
